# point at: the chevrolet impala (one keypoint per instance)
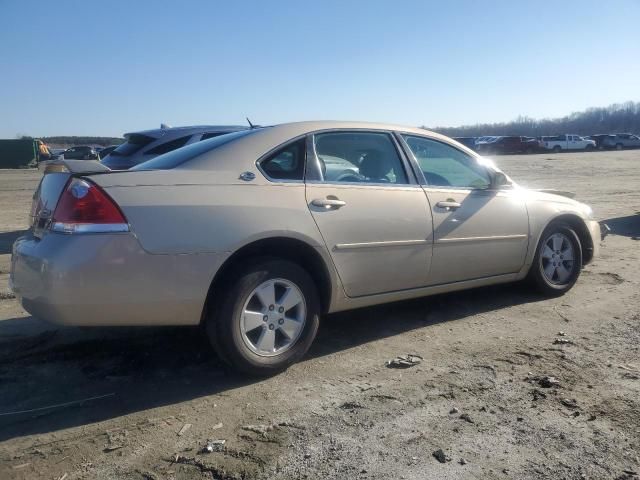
(255, 234)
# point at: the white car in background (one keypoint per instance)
(147, 144)
(560, 143)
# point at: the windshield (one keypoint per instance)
(181, 155)
(134, 143)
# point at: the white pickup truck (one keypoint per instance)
(568, 142)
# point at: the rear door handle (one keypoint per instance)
(448, 205)
(328, 202)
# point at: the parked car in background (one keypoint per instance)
(145, 145)
(254, 237)
(488, 138)
(508, 144)
(559, 143)
(469, 142)
(599, 139)
(482, 143)
(80, 153)
(106, 151)
(620, 141)
(56, 152)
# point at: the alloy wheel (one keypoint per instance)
(273, 317)
(557, 259)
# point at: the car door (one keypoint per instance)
(372, 214)
(575, 143)
(478, 231)
(71, 154)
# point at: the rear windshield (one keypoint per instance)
(181, 155)
(134, 143)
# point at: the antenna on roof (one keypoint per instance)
(164, 126)
(251, 125)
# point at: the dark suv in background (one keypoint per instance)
(80, 153)
(621, 140)
(509, 144)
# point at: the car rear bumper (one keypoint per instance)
(108, 279)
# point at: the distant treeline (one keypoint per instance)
(72, 140)
(616, 118)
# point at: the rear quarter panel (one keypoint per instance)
(188, 219)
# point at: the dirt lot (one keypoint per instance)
(156, 396)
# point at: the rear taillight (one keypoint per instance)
(85, 208)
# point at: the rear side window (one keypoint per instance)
(134, 143)
(359, 157)
(169, 146)
(182, 155)
(445, 166)
(287, 163)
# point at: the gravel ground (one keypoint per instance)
(511, 385)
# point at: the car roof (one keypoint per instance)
(266, 139)
(241, 154)
(186, 130)
(300, 128)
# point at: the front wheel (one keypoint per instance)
(267, 318)
(618, 146)
(558, 260)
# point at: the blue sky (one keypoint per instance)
(108, 67)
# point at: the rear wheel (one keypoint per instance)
(558, 260)
(618, 146)
(557, 149)
(266, 319)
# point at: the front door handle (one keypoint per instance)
(449, 205)
(328, 203)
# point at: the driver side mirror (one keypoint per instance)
(500, 180)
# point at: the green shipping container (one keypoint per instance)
(17, 153)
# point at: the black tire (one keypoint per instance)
(536, 274)
(223, 323)
(557, 149)
(619, 146)
(589, 148)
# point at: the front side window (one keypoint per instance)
(287, 163)
(359, 157)
(169, 146)
(445, 166)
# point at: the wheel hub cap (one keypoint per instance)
(273, 317)
(556, 259)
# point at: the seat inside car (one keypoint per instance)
(375, 166)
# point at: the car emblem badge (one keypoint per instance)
(247, 176)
